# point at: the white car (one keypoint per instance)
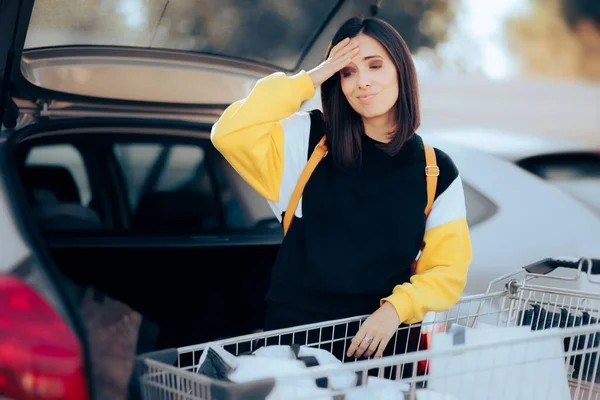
(570, 164)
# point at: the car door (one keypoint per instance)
(14, 19)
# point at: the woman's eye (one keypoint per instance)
(346, 73)
(375, 66)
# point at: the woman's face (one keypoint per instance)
(370, 81)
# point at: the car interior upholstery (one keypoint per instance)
(194, 212)
(55, 200)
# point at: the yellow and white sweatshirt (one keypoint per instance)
(356, 232)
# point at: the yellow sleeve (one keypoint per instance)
(250, 135)
(441, 272)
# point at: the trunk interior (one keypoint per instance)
(134, 300)
(139, 292)
(186, 294)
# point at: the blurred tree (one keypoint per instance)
(557, 38)
(422, 23)
(277, 30)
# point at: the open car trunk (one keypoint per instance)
(139, 288)
(184, 297)
(136, 299)
(129, 308)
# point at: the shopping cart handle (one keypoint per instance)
(548, 265)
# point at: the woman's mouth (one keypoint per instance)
(366, 97)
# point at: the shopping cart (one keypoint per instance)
(417, 366)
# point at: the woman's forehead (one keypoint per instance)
(369, 48)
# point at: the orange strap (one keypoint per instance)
(432, 172)
(318, 154)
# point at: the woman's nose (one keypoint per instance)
(364, 82)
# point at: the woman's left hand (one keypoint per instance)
(375, 333)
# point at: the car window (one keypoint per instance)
(245, 209)
(62, 156)
(170, 188)
(58, 188)
(479, 207)
(135, 161)
(274, 32)
(575, 174)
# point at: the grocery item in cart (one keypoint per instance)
(497, 372)
(271, 361)
(274, 364)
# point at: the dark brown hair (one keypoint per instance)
(345, 126)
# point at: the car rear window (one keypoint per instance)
(270, 32)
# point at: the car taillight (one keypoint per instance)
(40, 356)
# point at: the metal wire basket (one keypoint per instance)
(412, 360)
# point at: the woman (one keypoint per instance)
(360, 223)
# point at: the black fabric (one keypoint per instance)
(539, 318)
(360, 230)
(279, 316)
(311, 361)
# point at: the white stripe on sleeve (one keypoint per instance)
(296, 132)
(449, 206)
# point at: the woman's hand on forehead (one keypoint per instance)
(341, 55)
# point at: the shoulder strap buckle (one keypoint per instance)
(432, 171)
(322, 143)
(435, 170)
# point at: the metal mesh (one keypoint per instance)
(409, 362)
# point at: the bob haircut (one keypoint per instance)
(344, 125)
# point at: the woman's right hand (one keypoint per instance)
(341, 54)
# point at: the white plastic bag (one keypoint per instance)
(275, 363)
(528, 370)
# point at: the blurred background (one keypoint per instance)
(498, 40)
(480, 62)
